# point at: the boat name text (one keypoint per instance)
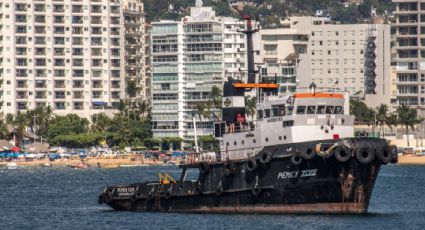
(296, 174)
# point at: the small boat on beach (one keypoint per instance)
(12, 166)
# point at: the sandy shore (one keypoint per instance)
(114, 163)
(91, 162)
(411, 160)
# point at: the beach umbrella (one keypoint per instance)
(15, 149)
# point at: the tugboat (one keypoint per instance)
(299, 156)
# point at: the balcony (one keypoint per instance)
(59, 105)
(21, 105)
(39, 19)
(21, 85)
(59, 84)
(77, 9)
(21, 95)
(58, 9)
(59, 52)
(39, 8)
(78, 106)
(59, 19)
(40, 95)
(40, 84)
(97, 94)
(59, 95)
(78, 95)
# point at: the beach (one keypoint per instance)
(410, 159)
(90, 162)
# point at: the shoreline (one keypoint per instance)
(128, 162)
(90, 162)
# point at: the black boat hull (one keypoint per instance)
(278, 184)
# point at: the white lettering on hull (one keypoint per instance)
(296, 174)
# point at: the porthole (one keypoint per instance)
(235, 143)
(284, 137)
(254, 141)
(280, 138)
(243, 142)
(267, 139)
(227, 144)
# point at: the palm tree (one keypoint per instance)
(202, 110)
(215, 101)
(408, 117)
(4, 129)
(101, 123)
(250, 106)
(132, 91)
(20, 122)
(382, 117)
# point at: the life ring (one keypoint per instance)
(308, 153)
(204, 167)
(296, 159)
(256, 190)
(365, 154)
(228, 169)
(219, 190)
(342, 153)
(384, 154)
(251, 164)
(265, 157)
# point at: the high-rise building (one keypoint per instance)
(66, 54)
(134, 43)
(354, 58)
(189, 58)
(409, 37)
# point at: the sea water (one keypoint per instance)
(58, 198)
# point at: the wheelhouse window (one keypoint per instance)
(329, 109)
(301, 109)
(321, 109)
(275, 112)
(339, 110)
(267, 113)
(311, 109)
(260, 114)
(282, 111)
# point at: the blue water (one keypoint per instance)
(67, 199)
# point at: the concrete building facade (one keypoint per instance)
(66, 54)
(189, 57)
(333, 55)
(409, 59)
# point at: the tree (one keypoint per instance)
(4, 130)
(65, 125)
(250, 106)
(100, 123)
(19, 122)
(382, 117)
(408, 117)
(215, 101)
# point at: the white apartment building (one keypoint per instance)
(332, 55)
(409, 36)
(67, 54)
(189, 57)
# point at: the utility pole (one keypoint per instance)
(34, 124)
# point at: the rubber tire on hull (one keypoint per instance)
(308, 153)
(256, 190)
(365, 154)
(251, 164)
(383, 153)
(296, 159)
(342, 154)
(228, 169)
(265, 157)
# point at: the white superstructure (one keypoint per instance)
(66, 54)
(289, 118)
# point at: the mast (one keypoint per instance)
(249, 31)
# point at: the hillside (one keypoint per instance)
(270, 11)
